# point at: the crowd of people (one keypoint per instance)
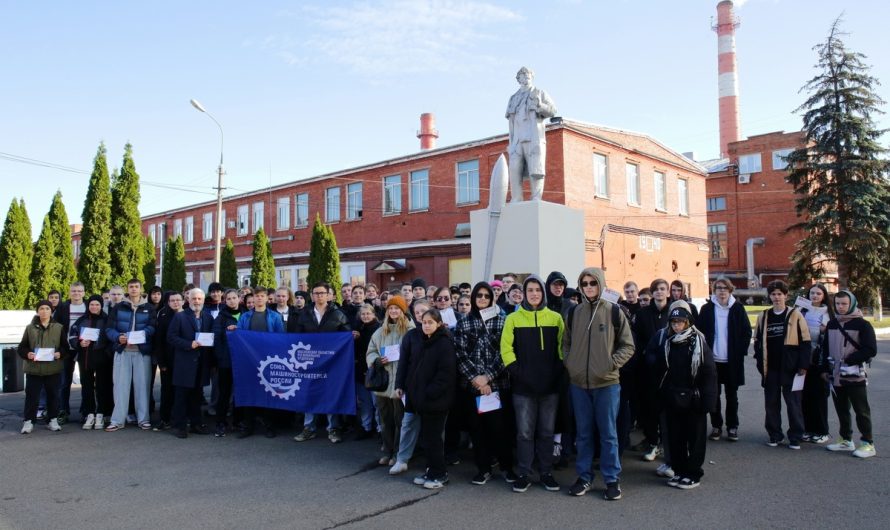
(528, 373)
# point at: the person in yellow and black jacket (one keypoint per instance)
(782, 351)
(531, 351)
(43, 373)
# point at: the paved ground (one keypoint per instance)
(89, 479)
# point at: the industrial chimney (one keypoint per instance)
(727, 75)
(428, 132)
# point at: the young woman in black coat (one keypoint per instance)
(227, 320)
(95, 365)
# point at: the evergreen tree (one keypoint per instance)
(15, 257)
(841, 176)
(44, 268)
(228, 270)
(126, 226)
(150, 263)
(94, 265)
(262, 272)
(173, 278)
(324, 258)
(66, 273)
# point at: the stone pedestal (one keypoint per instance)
(532, 237)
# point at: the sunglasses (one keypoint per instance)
(592, 283)
(483, 295)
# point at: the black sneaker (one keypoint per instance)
(510, 477)
(688, 483)
(579, 488)
(715, 434)
(220, 430)
(481, 478)
(452, 460)
(613, 492)
(181, 433)
(162, 426)
(732, 435)
(521, 484)
(200, 429)
(549, 483)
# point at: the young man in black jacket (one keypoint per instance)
(67, 314)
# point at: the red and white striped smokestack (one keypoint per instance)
(727, 75)
(428, 132)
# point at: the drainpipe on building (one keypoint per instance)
(753, 282)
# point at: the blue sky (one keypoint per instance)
(304, 88)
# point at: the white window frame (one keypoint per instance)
(600, 175)
(354, 201)
(243, 217)
(419, 181)
(301, 206)
(392, 187)
(222, 224)
(258, 216)
(750, 163)
(659, 180)
(467, 182)
(153, 235)
(779, 163)
(189, 232)
(207, 226)
(632, 179)
(283, 213)
(332, 208)
(683, 196)
(177, 228)
(160, 239)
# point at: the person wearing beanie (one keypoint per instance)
(418, 288)
(94, 362)
(383, 350)
(688, 390)
(41, 349)
(848, 345)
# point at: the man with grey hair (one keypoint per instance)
(526, 112)
(191, 363)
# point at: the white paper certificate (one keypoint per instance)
(488, 403)
(803, 303)
(489, 313)
(448, 317)
(136, 337)
(204, 339)
(797, 384)
(392, 352)
(89, 334)
(611, 295)
(44, 354)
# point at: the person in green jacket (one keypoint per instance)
(41, 348)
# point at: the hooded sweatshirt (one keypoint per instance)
(593, 350)
(721, 318)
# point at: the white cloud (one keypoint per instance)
(396, 36)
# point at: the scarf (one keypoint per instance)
(693, 337)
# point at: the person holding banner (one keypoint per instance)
(191, 338)
(477, 341)
(85, 337)
(384, 350)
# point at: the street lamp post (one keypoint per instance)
(219, 189)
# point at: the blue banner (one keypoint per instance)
(301, 372)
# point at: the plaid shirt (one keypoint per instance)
(477, 345)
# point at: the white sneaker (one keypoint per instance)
(665, 470)
(90, 422)
(398, 468)
(843, 445)
(652, 453)
(54, 425)
(865, 450)
(27, 427)
(100, 422)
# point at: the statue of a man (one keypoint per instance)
(526, 112)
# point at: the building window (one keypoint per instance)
(683, 196)
(207, 226)
(779, 156)
(177, 228)
(715, 204)
(283, 213)
(392, 194)
(242, 220)
(152, 235)
(161, 233)
(717, 240)
(257, 216)
(222, 224)
(660, 191)
(749, 164)
(420, 190)
(632, 172)
(189, 229)
(354, 201)
(301, 209)
(468, 182)
(332, 205)
(600, 175)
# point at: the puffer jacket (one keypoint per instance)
(428, 370)
(39, 336)
(376, 347)
(124, 318)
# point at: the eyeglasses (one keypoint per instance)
(483, 295)
(443, 298)
(592, 283)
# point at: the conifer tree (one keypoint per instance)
(150, 263)
(44, 268)
(94, 265)
(174, 265)
(16, 251)
(840, 175)
(324, 258)
(126, 226)
(228, 270)
(262, 272)
(64, 254)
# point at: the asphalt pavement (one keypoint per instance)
(136, 479)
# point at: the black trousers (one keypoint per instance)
(167, 395)
(815, 403)
(490, 433)
(844, 396)
(64, 387)
(33, 385)
(432, 427)
(225, 384)
(96, 388)
(187, 406)
(687, 436)
(456, 422)
(732, 400)
(773, 393)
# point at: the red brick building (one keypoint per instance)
(408, 217)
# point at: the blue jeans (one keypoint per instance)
(408, 436)
(597, 407)
(365, 405)
(309, 421)
(535, 419)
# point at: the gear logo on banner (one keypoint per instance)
(281, 377)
